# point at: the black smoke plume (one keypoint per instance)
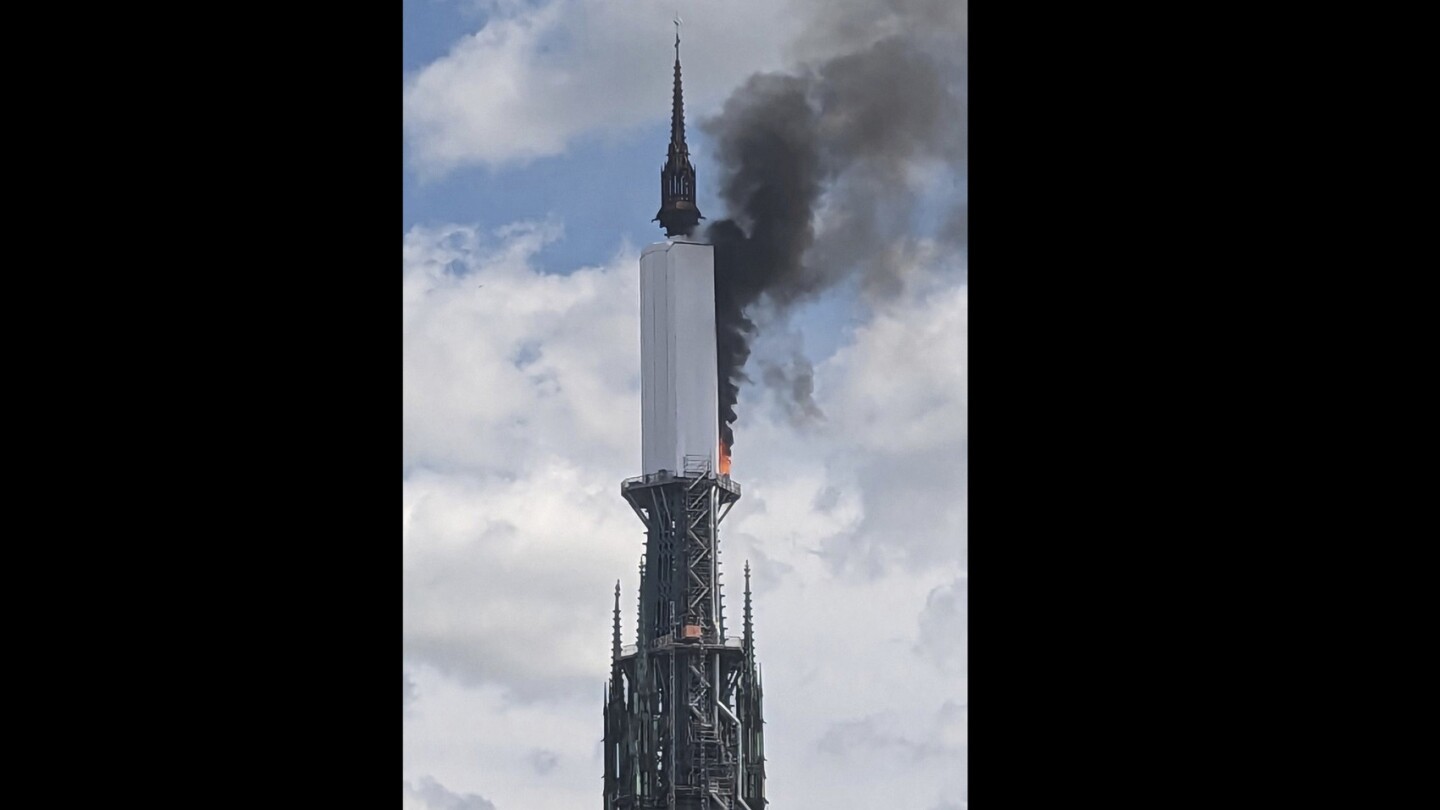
(859, 136)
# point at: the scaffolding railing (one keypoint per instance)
(664, 476)
(665, 641)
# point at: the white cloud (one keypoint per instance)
(494, 349)
(900, 401)
(429, 794)
(474, 739)
(521, 418)
(536, 77)
(945, 626)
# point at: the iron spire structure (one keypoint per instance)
(683, 720)
(678, 213)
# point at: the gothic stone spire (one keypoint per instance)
(678, 213)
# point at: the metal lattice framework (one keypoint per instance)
(683, 726)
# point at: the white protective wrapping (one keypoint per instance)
(678, 383)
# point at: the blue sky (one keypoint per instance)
(430, 27)
(603, 189)
(600, 190)
(534, 132)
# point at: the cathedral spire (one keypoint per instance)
(677, 104)
(678, 214)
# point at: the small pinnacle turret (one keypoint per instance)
(749, 638)
(678, 213)
(640, 607)
(615, 641)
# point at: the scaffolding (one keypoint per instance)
(683, 727)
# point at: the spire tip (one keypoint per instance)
(678, 214)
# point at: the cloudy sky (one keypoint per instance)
(533, 137)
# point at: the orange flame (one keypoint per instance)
(724, 458)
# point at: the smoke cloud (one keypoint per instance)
(825, 173)
(795, 381)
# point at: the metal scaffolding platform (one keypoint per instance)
(683, 726)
